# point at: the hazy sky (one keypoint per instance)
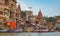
(48, 7)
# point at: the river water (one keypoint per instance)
(31, 34)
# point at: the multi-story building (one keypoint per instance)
(2, 9)
(26, 15)
(9, 10)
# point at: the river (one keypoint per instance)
(31, 34)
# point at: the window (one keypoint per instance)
(6, 13)
(1, 12)
(4, 20)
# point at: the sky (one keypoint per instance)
(48, 7)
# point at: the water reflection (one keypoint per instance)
(31, 34)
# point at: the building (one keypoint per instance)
(40, 17)
(9, 11)
(26, 15)
(2, 10)
(57, 19)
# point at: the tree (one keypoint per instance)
(50, 19)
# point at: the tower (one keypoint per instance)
(18, 13)
(40, 15)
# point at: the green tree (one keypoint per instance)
(50, 19)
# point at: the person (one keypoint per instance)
(19, 27)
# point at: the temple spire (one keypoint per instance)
(40, 15)
(19, 7)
